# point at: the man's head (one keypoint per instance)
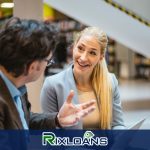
(24, 43)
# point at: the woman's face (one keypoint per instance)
(86, 54)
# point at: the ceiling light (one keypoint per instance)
(7, 5)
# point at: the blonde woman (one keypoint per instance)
(88, 76)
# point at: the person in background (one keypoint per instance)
(25, 51)
(89, 77)
(59, 57)
(61, 51)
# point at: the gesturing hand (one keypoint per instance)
(70, 114)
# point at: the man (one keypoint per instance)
(25, 51)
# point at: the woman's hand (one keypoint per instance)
(71, 114)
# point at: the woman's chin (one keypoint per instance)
(82, 71)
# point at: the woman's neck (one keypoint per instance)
(83, 82)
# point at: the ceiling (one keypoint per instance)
(141, 8)
(118, 25)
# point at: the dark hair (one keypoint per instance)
(24, 41)
(60, 53)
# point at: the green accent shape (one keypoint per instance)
(88, 135)
(50, 139)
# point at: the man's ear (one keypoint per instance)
(34, 66)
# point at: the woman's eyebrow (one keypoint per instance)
(94, 49)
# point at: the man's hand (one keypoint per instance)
(70, 114)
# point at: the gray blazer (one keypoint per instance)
(57, 87)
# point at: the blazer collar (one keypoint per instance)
(5, 94)
(72, 84)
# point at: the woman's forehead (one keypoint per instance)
(89, 40)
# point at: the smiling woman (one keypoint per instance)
(88, 76)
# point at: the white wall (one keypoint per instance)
(28, 9)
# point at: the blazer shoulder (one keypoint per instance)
(114, 80)
(58, 79)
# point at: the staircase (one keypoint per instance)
(117, 24)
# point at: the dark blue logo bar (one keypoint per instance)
(75, 139)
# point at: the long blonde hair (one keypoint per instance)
(100, 78)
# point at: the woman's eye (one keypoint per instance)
(80, 48)
(93, 53)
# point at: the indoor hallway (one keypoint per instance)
(135, 96)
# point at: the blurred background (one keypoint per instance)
(127, 24)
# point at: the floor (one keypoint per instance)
(135, 96)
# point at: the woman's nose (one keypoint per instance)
(83, 56)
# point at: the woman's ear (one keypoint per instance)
(101, 57)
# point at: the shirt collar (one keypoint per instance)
(14, 91)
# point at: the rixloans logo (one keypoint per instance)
(49, 138)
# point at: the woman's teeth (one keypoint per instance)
(83, 65)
